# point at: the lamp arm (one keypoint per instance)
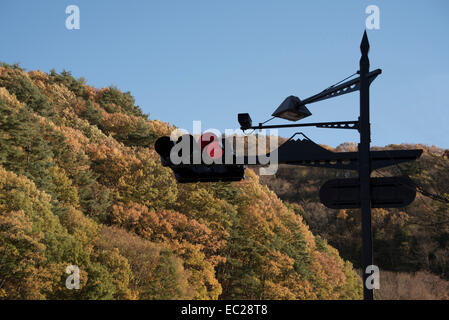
(344, 88)
(331, 125)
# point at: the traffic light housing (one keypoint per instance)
(194, 172)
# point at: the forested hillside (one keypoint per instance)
(406, 240)
(80, 184)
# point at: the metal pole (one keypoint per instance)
(365, 166)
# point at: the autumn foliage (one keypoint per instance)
(80, 184)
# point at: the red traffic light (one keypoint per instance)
(211, 144)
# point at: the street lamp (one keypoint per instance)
(334, 193)
(364, 192)
(292, 109)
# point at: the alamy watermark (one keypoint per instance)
(73, 280)
(72, 22)
(373, 280)
(372, 22)
(212, 147)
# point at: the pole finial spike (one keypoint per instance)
(364, 45)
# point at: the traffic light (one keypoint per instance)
(187, 160)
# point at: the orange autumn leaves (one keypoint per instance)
(112, 209)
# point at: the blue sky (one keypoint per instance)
(209, 60)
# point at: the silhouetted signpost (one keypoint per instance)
(388, 192)
(363, 192)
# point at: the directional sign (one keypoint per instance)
(305, 152)
(390, 192)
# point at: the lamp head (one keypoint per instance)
(292, 109)
(245, 120)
